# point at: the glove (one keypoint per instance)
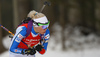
(29, 51)
(39, 47)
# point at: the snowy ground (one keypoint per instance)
(77, 44)
(57, 53)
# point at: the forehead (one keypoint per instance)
(41, 20)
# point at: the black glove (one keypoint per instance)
(30, 51)
(39, 47)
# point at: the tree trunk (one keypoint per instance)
(23, 8)
(37, 5)
(6, 16)
(74, 12)
(90, 13)
(15, 13)
(62, 23)
(1, 45)
(97, 14)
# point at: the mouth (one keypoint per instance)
(43, 32)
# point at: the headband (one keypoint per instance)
(40, 20)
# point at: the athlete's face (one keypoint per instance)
(40, 30)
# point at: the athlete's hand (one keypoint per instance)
(30, 51)
(39, 47)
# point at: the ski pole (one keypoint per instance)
(6, 30)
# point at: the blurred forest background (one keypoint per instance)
(81, 13)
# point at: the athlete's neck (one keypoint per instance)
(35, 29)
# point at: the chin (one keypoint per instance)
(43, 33)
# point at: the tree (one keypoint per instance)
(6, 16)
(24, 7)
(59, 15)
(15, 13)
(1, 45)
(97, 14)
(21, 9)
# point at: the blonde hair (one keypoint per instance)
(34, 15)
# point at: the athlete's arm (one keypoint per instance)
(19, 35)
(45, 44)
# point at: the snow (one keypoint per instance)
(4, 54)
(6, 42)
(58, 53)
(76, 43)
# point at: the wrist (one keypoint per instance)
(39, 48)
(23, 51)
(42, 51)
